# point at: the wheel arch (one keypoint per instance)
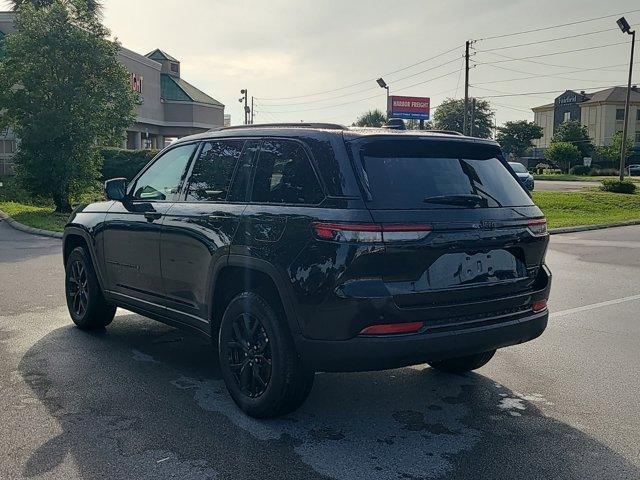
(241, 273)
(77, 237)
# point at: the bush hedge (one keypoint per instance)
(124, 163)
(580, 170)
(616, 186)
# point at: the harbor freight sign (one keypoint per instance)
(417, 108)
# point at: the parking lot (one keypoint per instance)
(142, 400)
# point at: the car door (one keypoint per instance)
(277, 221)
(131, 230)
(199, 228)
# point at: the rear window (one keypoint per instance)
(423, 174)
(518, 167)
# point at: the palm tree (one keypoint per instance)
(372, 118)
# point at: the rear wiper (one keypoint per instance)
(463, 200)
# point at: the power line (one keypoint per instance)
(523, 32)
(365, 81)
(366, 98)
(358, 91)
(595, 47)
(546, 41)
(530, 94)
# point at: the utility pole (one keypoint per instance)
(252, 114)
(244, 99)
(624, 26)
(466, 86)
(473, 115)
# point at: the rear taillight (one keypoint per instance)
(538, 227)
(539, 306)
(392, 328)
(370, 232)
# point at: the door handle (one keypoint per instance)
(152, 216)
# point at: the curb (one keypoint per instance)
(586, 228)
(24, 228)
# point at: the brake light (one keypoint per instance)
(539, 306)
(392, 328)
(538, 227)
(370, 232)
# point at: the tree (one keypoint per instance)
(516, 137)
(91, 7)
(64, 93)
(372, 118)
(450, 116)
(576, 134)
(563, 154)
(611, 152)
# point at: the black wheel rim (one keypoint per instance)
(249, 355)
(78, 286)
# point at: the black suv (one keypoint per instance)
(315, 247)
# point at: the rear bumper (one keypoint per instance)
(394, 351)
(449, 331)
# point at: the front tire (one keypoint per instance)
(86, 303)
(258, 360)
(463, 364)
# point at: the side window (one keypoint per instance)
(242, 178)
(284, 175)
(212, 173)
(162, 180)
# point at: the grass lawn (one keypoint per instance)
(591, 207)
(578, 178)
(35, 216)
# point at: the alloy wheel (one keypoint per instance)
(78, 288)
(249, 355)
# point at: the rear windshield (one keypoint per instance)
(423, 174)
(518, 167)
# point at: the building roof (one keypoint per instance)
(178, 90)
(160, 55)
(608, 95)
(613, 95)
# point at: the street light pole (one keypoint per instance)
(624, 26)
(384, 85)
(246, 107)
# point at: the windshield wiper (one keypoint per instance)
(466, 200)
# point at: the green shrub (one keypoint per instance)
(580, 170)
(124, 163)
(12, 191)
(605, 172)
(616, 186)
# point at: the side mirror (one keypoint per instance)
(116, 189)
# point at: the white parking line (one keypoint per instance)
(585, 308)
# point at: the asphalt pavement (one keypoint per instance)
(142, 400)
(563, 186)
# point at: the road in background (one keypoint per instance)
(142, 400)
(563, 186)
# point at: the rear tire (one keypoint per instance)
(463, 364)
(258, 360)
(86, 303)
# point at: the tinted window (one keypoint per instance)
(212, 173)
(284, 175)
(162, 180)
(410, 174)
(518, 167)
(242, 178)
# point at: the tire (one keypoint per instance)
(463, 364)
(87, 307)
(258, 360)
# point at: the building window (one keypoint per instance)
(619, 113)
(567, 116)
(175, 68)
(638, 137)
(638, 115)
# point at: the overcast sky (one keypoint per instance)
(286, 48)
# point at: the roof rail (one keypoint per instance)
(332, 126)
(448, 132)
